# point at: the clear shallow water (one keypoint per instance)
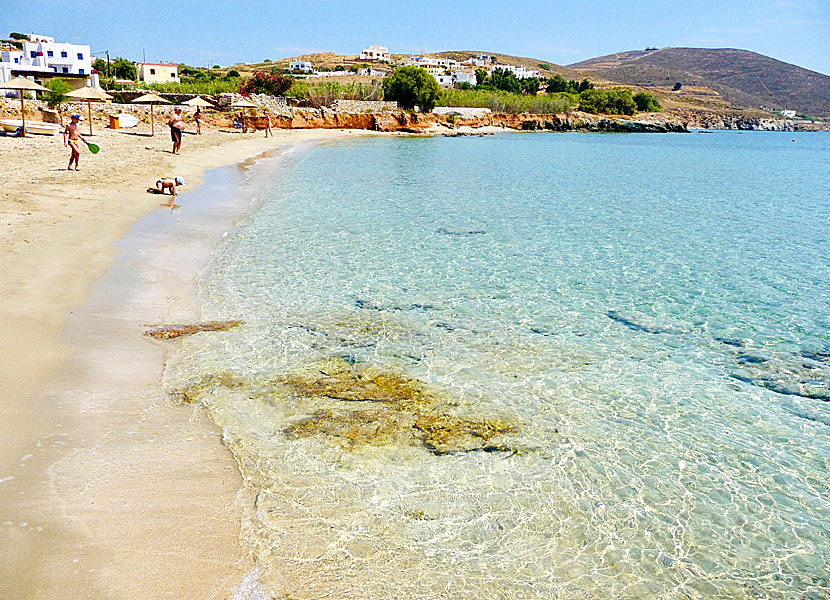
(649, 312)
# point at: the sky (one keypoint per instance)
(208, 32)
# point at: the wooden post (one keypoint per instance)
(22, 115)
(89, 114)
(152, 122)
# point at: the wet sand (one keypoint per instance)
(107, 488)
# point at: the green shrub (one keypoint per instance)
(505, 102)
(410, 87)
(616, 101)
(544, 66)
(646, 102)
(232, 73)
(323, 93)
(56, 95)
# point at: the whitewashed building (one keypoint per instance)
(302, 66)
(463, 77)
(376, 54)
(42, 57)
(790, 114)
(519, 72)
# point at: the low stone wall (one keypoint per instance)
(363, 106)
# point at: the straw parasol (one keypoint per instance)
(152, 100)
(90, 95)
(244, 104)
(198, 102)
(23, 85)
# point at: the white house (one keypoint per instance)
(463, 77)
(519, 72)
(444, 80)
(302, 66)
(790, 114)
(41, 56)
(476, 62)
(373, 72)
(375, 53)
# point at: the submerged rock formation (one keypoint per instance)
(169, 332)
(355, 406)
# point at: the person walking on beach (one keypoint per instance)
(268, 124)
(198, 117)
(176, 124)
(75, 136)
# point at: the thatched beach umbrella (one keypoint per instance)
(23, 85)
(244, 104)
(90, 95)
(198, 102)
(151, 99)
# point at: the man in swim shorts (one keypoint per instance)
(75, 136)
(176, 124)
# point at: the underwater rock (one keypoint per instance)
(356, 406)
(188, 394)
(731, 342)
(169, 332)
(365, 304)
(460, 232)
(634, 325)
(816, 356)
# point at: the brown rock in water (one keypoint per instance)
(366, 406)
(169, 332)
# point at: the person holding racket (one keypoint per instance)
(75, 136)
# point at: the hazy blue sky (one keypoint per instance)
(230, 31)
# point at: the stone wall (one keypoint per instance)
(363, 106)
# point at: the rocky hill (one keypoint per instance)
(736, 77)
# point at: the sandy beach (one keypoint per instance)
(108, 489)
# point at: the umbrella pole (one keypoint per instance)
(89, 112)
(23, 115)
(152, 122)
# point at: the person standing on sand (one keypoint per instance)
(176, 124)
(198, 117)
(74, 136)
(268, 124)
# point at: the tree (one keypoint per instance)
(544, 66)
(584, 85)
(410, 87)
(233, 73)
(557, 84)
(56, 95)
(677, 86)
(273, 84)
(18, 36)
(530, 85)
(353, 69)
(123, 68)
(506, 81)
(100, 65)
(617, 101)
(339, 68)
(481, 77)
(216, 67)
(646, 102)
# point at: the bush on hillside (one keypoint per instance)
(410, 87)
(616, 101)
(273, 84)
(646, 102)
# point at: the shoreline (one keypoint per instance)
(108, 488)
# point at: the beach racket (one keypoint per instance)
(93, 148)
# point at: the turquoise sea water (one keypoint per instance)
(650, 314)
